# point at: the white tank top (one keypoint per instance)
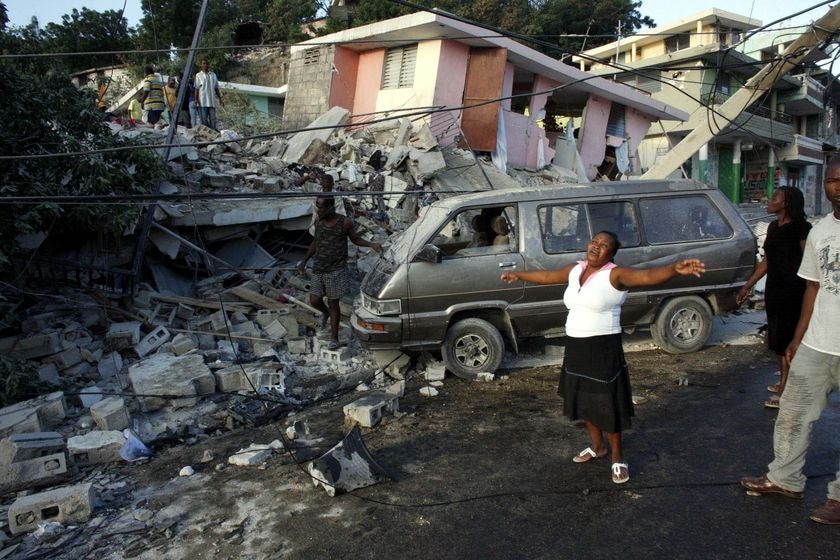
(595, 307)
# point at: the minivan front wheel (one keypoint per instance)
(682, 325)
(472, 346)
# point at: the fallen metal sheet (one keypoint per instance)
(169, 282)
(347, 466)
(255, 413)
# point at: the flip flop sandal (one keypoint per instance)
(587, 455)
(772, 402)
(620, 473)
(773, 388)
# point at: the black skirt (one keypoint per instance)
(595, 384)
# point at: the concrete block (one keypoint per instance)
(122, 336)
(396, 388)
(275, 330)
(32, 473)
(435, 372)
(82, 369)
(95, 447)
(71, 504)
(262, 348)
(66, 359)
(21, 447)
(184, 312)
(265, 317)
(110, 365)
(367, 411)
(254, 454)
(181, 344)
(290, 323)
(48, 373)
(229, 379)
(90, 396)
(38, 346)
(238, 317)
(297, 344)
(110, 414)
(152, 341)
(340, 356)
(164, 374)
(247, 328)
(218, 322)
(17, 420)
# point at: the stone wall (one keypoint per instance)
(310, 76)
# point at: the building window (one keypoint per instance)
(615, 123)
(311, 56)
(677, 42)
(398, 71)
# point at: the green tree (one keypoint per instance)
(88, 31)
(597, 18)
(284, 19)
(44, 113)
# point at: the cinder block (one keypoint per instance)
(275, 330)
(15, 420)
(218, 322)
(123, 335)
(152, 340)
(38, 346)
(110, 365)
(368, 410)
(66, 359)
(340, 356)
(297, 344)
(110, 414)
(48, 373)
(95, 447)
(71, 504)
(435, 372)
(21, 447)
(33, 473)
(229, 379)
(181, 345)
(265, 317)
(184, 312)
(290, 323)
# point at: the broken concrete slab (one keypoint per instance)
(425, 165)
(321, 129)
(16, 420)
(96, 447)
(72, 504)
(38, 346)
(171, 376)
(110, 414)
(48, 373)
(181, 344)
(66, 359)
(254, 454)
(110, 365)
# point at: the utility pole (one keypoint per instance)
(755, 88)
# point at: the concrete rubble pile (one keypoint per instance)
(223, 317)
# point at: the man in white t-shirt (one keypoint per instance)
(207, 94)
(815, 363)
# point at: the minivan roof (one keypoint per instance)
(560, 191)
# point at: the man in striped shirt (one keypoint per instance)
(153, 102)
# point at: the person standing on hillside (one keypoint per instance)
(153, 99)
(783, 249)
(814, 353)
(207, 95)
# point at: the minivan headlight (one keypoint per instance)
(381, 306)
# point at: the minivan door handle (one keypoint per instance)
(507, 265)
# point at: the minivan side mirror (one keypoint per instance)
(429, 253)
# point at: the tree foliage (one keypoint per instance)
(44, 113)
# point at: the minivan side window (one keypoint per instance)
(564, 228)
(617, 217)
(478, 231)
(688, 218)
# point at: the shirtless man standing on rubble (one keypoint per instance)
(329, 247)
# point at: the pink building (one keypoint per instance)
(486, 92)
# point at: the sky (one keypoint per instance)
(662, 11)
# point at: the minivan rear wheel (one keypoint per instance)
(682, 325)
(472, 346)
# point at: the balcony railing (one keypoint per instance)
(716, 97)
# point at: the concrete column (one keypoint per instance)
(633, 52)
(774, 103)
(771, 171)
(736, 172)
(703, 154)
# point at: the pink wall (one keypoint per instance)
(592, 138)
(368, 80)
(507, 85)
(449, 88)
(343, 86)
(636, 125)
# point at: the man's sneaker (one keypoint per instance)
(828, 513)
(333, 345)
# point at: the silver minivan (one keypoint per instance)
(438, 285)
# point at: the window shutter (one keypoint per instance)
(398, 70)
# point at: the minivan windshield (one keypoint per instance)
(410, 240)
